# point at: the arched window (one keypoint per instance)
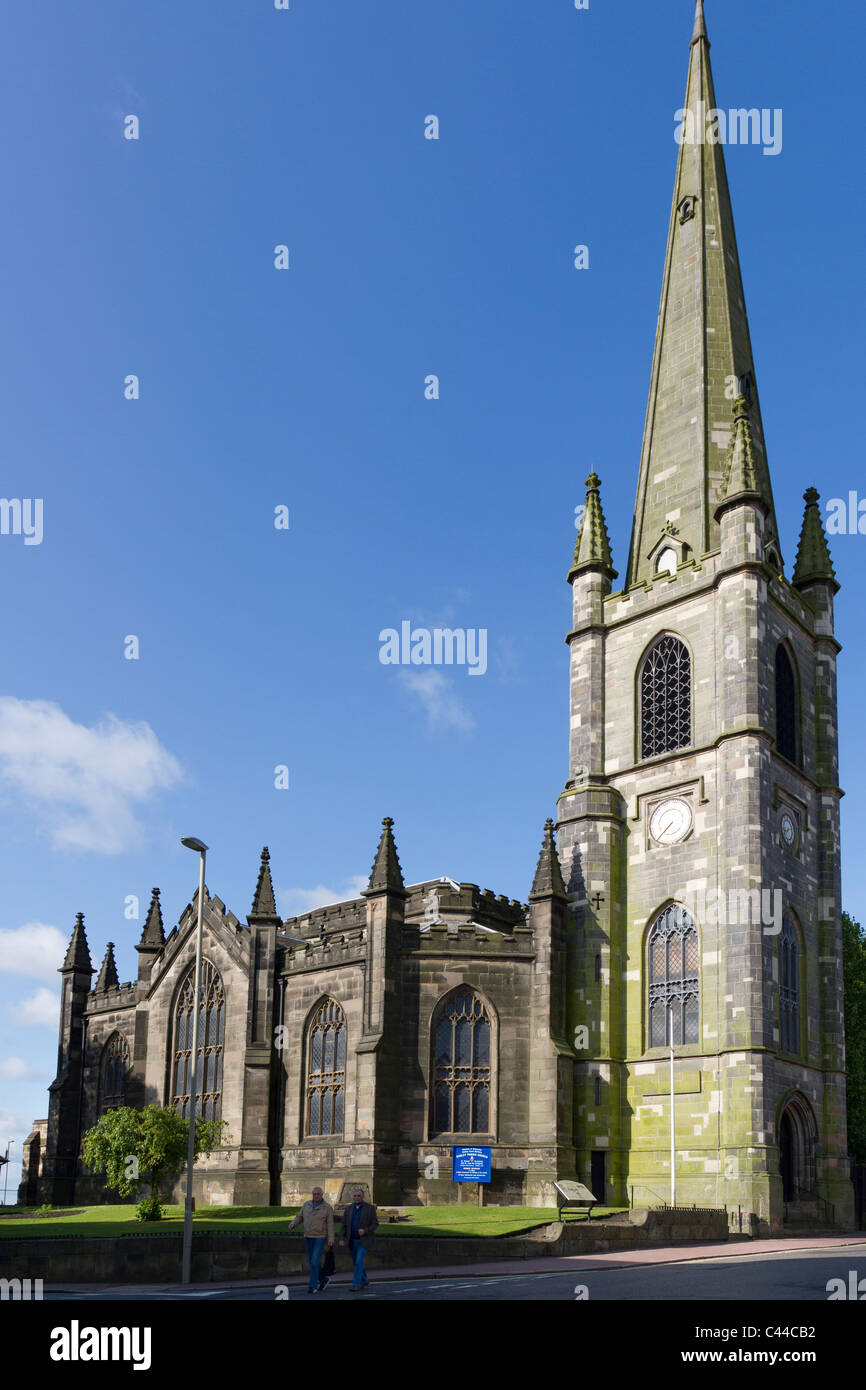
(461, 1065)
(326, 1070)
(665, 698)
(211, 1039)
(112, 1080)
(598, 1090)
(789, 986)
(786, 706)
(674, 978)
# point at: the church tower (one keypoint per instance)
(699, 826)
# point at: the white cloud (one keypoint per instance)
(296, 901)
(40, 1010)
(16, 1069)
(435, 694)
(82, 783)
(34, 949)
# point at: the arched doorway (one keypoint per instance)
(798, 1139)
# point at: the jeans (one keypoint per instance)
(359, 1275)
(314, 1255)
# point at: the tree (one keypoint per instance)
(854, 975)
(149, 1145)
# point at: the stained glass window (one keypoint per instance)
(461, 1066)
(666, 698)
(115, 1065)
(674, 978)
(210, 1043)
(326, 1070)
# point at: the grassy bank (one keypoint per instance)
(105, 1221)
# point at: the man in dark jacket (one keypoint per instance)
(359, 1223)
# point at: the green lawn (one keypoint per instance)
(120, 1220)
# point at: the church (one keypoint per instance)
(359, 1042)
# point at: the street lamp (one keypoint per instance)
(190, 842)
(9, 1144)
(673, 1116)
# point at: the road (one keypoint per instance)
(749, 1275)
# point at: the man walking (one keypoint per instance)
(318, 1219)
(359, 1223)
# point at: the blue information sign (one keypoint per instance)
(470, 1164)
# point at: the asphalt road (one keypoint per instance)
(796, 1276)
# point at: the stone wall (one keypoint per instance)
(220, 1258)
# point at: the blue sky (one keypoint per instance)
(305, 388)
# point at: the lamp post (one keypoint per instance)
(673, 1113)
(201, 849)
(9, 1144)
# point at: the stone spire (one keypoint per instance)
(548, 881)
(703, 350)
(386, 875)
(107, 978)
(813, 553)
(592, 548)
(264, 902)
(153, 935)
(78, 952)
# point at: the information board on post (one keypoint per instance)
(470, 1163)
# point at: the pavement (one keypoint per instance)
(635, 1260)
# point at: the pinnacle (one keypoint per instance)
(153, 935)
(264, 902)
(386, 874)
(592, 548)
(548, 881)
(107, 978)
(813, 553)
(78, 952)
(741, 474)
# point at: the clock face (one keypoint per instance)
(788, 828)
(671, 821)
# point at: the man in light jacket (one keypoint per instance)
(359, 1224)
(318, 1219)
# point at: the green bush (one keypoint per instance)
(149, 1210)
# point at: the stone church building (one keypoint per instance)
(690, 885)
